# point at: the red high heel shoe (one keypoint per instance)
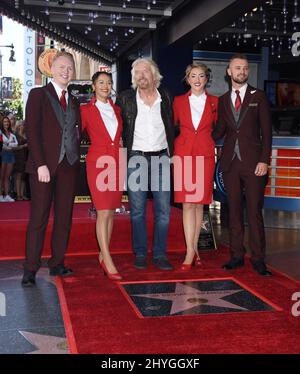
(111, 276)
(186, 267)
(196, 262)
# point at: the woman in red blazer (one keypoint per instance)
(195, 113)
(102, 120)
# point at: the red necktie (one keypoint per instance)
(238, 101)
(63, 101)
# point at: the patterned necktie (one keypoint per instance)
(63, 101)
(238, 101)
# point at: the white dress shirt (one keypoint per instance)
(109, 117)
(242, 93)
(149, 131)
(197, 104)
(59, 90)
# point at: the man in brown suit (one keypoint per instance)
(53, 127)
(244, 119)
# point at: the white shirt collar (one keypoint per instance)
(140, 100)
(59, 90)
(201, 97)
(102, 104)
(241, 89)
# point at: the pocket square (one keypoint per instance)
(253, 104)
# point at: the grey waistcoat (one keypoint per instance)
(67, 121)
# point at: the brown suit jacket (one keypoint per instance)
(43, 129)
(253, 131)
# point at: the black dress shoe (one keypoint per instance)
(162, 263)
(233, 263)
(28, 279)
(140, 262)
(61, 271)
(260, 268)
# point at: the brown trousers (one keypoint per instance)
(240, 181)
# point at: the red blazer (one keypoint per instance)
(254, 130)
(191, 141)
(101, 142)
(43, 130)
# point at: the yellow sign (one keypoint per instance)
(87, 199)
(82, 199)
(45, 61)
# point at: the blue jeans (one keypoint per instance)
(158, 182)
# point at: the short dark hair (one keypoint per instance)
(98, 73)
(240, 56)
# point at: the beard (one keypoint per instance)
(240, 80)
(143, 83)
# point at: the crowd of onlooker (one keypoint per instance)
(14, 184)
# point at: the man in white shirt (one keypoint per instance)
(53, 124)
(149, 137)
(245, 121)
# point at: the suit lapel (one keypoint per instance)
(228, 104)
(97, 115)
(98, 118)
(187, 109)
(245, 105)
(207, 111)
(119, 119)
(71, 100)
(53, 98)
(50, 88)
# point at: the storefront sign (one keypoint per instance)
(29, 62)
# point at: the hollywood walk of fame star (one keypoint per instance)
(186, 297)
(46, 343)
(42, 273)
